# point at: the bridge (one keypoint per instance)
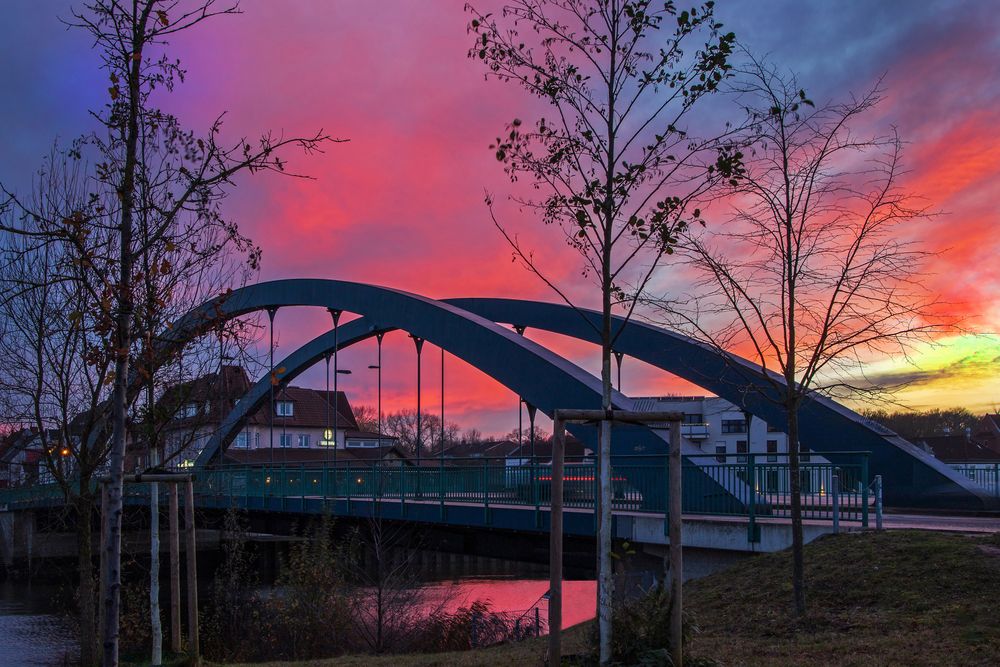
(482, 494)
(478, 493)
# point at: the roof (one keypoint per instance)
(221, 391)
(310, 408)
(15, 442)
(958, 448)
(294, 456)
(511, 449)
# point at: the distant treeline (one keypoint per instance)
(927, 423)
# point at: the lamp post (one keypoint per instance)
(378, 367)
(330, 435)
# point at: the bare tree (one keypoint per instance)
(153, 184)
(55, 377)
(403, 426)
(817, 271)
(366, 417)
(614, 160)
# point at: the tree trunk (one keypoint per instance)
(795, 487)
(122, 342)
(84, 509)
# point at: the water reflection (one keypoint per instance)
(518, 595)
(31, 633)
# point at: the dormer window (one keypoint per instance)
(188, 410)
(284, 408)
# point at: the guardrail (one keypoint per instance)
(751, 485)
(984, 473)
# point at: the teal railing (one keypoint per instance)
(747, 485)
(984, 473)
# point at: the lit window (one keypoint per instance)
(303, 440)
(284, 408)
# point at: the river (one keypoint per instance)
(33, 632)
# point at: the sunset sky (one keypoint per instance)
(401, 204)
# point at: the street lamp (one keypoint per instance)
(378, 367)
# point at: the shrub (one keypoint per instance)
(642, 629)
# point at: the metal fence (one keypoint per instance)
(986, 474)
(747, 485)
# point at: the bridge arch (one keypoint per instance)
(541, 377)
(912, 476)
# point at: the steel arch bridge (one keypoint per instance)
(470, 329)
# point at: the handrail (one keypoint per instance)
(638, 485)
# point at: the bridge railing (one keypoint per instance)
(749, 485)
(756, 485)
(984, 473)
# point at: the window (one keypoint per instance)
(284, 409)
(188, 410)
(734, 426)
(303, 440)
(720, 453)
(804, 454)
(741, 448)
(361, 443)
(772, 451)
(256, 440)
(242, 439)
(286, 439)
(694, 418)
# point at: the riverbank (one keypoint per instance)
(891, 598)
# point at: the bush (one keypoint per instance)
(642, 629)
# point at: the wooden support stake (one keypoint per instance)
(156, 629)
(192, 573)
(175, 572)
(103, 581)
(556, 542)
(676, 552)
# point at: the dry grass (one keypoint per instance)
(525, 653)
(894, 598)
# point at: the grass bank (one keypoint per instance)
(892, 598)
